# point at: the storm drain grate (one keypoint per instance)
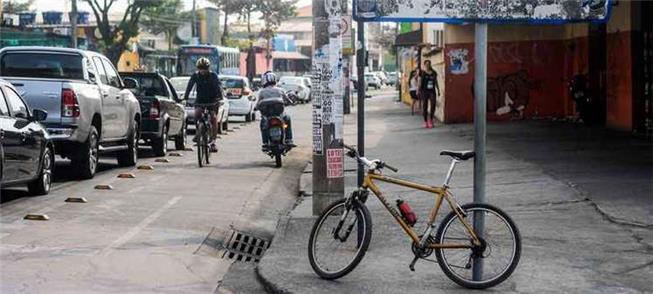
(244, 247)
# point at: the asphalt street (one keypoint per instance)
(163, 231)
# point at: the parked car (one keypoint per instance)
(297, 84)
(180, 83)
(164, 117)
(393, 78)
(240, 96)
(26, 151)
(373, 81)
(90, 110)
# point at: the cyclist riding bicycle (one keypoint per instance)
(272, 96)
(208, 94)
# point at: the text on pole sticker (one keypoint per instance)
(335, 163)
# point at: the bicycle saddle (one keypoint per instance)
(459, 155)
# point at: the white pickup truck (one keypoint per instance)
(90, 110)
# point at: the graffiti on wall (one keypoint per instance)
(509, 94)
(458, 61)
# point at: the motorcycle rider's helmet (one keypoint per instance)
(203, 63)
(268, 78)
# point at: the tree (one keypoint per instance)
(247, 8)
(228, 7)
(165, 18)
(13, 6)
(116, 37)
(273, 12)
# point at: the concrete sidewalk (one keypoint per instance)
(578, 234)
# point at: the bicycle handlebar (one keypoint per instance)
(374, 164)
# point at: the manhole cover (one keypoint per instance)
(241, 246)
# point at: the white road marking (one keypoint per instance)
(138, 228)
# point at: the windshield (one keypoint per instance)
(42, 65)
(232, 83)
(186, 63)
(148, 85)
(179, 83)
(291, 80)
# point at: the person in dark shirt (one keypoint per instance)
(208, 95)
(429, 90)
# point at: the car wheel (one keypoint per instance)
(129, 157)
(87, 158)
(160, 145)
(248, 117)
(180, 139)
(41, 185)
(225, 126)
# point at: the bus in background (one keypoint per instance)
(224, 60)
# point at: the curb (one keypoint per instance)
(268, 285)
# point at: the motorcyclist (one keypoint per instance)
(272, 99)
(208, 94)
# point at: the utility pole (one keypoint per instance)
(73, 24)
(361, 62)
(328, 155)
(193, 26)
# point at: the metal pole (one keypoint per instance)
(480, 110)
(73, 24)
(360, 65)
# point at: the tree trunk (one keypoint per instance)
(249, 25)
(225, 32)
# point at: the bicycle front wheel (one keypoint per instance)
(199, 130)
(339, 239)
(496, 258)
(205, 139)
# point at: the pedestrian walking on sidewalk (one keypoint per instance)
(413, 86)
(429, 90)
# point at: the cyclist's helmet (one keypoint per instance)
(268, 78)
(203, 63)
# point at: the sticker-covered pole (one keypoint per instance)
(480, 102)
(327, 93)
(361, 62)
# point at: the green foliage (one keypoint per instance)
(165, 18)
(13, 6)
(116, 37)
(241, 44)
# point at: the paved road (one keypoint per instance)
(159, 232)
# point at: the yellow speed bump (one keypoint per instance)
(103, 187)
(164, 160)
(76, 200)
(126, 176)
(145, 167)
(39, 217)
(175, 154)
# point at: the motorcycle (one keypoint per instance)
(276, 127)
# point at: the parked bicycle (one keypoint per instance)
(476, 245)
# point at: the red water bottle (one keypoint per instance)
(407, 213)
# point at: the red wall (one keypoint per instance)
(533, 74)
(619, 82)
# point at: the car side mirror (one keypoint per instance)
(130, 83)
(39, 115)
(92, 78)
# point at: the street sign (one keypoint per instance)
(506, 11)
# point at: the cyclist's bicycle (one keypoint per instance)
(203, 132)
(476, 245)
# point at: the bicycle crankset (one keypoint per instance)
(423, 252)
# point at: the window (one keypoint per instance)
(100, 70)
(112, 75)
(18, 107)
(42, 65)
(4, 110)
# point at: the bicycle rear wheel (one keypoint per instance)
(199, 131)
(499, 252)
(339, 239)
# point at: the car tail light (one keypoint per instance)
(154, 109)
(247, 91)
(69, 104)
